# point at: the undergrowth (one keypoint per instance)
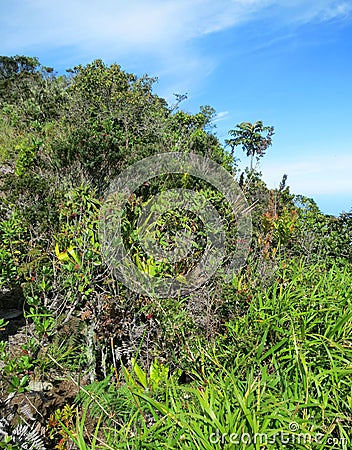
(280, 377)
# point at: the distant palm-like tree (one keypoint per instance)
(254, 139)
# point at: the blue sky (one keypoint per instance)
(285, 62)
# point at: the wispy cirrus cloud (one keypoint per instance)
(137, 25)
(153, 26)
(221, 116)
(321, 10)
(320, 175)
(163, 37)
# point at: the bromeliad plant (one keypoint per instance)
(278, 231)
(138, 378)
(77, 248)
(13, 247)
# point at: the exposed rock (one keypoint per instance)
(10, 313)
(11, 299)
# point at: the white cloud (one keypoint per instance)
(136, 25)
(153, 26)
(313, 176)
(323, 10)
(221, 116)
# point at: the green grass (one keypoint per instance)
(279, 378)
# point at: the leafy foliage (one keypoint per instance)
(253, 138)
(246, 358)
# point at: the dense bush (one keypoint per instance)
(269, 348)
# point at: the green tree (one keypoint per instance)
(16, 66)
(14, 73)
(110, 120)
(254, 138)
